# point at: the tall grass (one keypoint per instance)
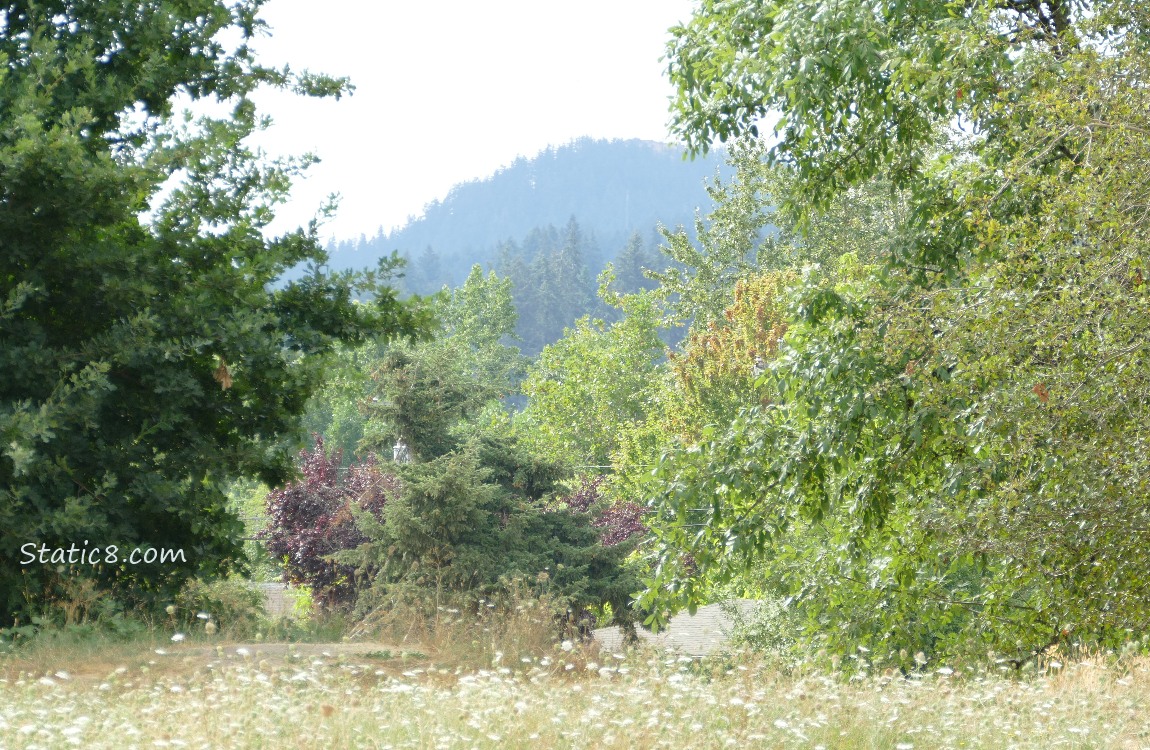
(514, 629)
(505, 676)
(638, 699)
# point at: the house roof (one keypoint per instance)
(700, 634)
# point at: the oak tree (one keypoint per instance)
(148, 355)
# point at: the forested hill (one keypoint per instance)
(612, 188)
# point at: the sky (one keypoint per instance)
(453, 90)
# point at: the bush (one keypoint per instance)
(461, 528)
(311, 519)
(233, 604)
(618, 523)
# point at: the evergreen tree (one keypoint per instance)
(472, 512)
(427, 274)
(635, 258)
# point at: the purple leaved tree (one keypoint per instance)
(617, 523)
(311, 519)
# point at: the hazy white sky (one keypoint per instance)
(452, 90)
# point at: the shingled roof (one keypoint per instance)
(706, 631)
(278, 601)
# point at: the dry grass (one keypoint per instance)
(519, 627)
(558, 699)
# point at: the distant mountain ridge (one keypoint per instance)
(613, 189)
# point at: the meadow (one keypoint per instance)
(199, 695)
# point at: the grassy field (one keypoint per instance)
(321, 696)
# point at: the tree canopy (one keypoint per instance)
(147, 356)
(946, 461)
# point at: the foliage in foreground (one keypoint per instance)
(951, 456)
(148, 359)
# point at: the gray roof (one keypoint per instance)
(700, 634)
(278, 600)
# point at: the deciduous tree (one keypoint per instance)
(941, 464)
(147, 357)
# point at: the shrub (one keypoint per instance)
(233, 604)
(617, 522)
(311, 519)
